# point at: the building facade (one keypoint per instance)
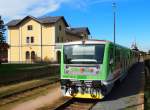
(38, 39)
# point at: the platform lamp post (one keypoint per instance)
(114, 36)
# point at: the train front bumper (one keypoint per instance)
(85, 96)
(82, 89)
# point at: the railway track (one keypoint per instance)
(71, 104)
(78, 104)
(30, 91)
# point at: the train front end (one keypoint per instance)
(83, 69)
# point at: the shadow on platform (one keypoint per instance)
(130, 86)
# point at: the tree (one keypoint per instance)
(2, 37)
(2, 31)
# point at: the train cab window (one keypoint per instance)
(84, 54)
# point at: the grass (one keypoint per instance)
(147, 94)
(12, 73)
(14, 68)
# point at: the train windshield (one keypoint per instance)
(84, 54)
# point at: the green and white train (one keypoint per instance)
(90, 68)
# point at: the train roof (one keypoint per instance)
(87, 42)
(93, 41)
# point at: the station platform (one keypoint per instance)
(129, 94)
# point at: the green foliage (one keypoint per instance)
(2, 37)
(2, 31)
(147, 94)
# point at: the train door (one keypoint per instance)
(117, 62)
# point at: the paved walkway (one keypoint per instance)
(128, 94)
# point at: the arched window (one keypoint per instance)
(27, 55)
(58, 56)
(33, 55)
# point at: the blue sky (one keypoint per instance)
(132, 17)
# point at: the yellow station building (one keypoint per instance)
(39, 39)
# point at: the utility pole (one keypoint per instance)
(114, 14)
(114, 37)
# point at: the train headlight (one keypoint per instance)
(81, 70)
(91, 69)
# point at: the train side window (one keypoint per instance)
(128, 59)
(118, 55)
(111, 55)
